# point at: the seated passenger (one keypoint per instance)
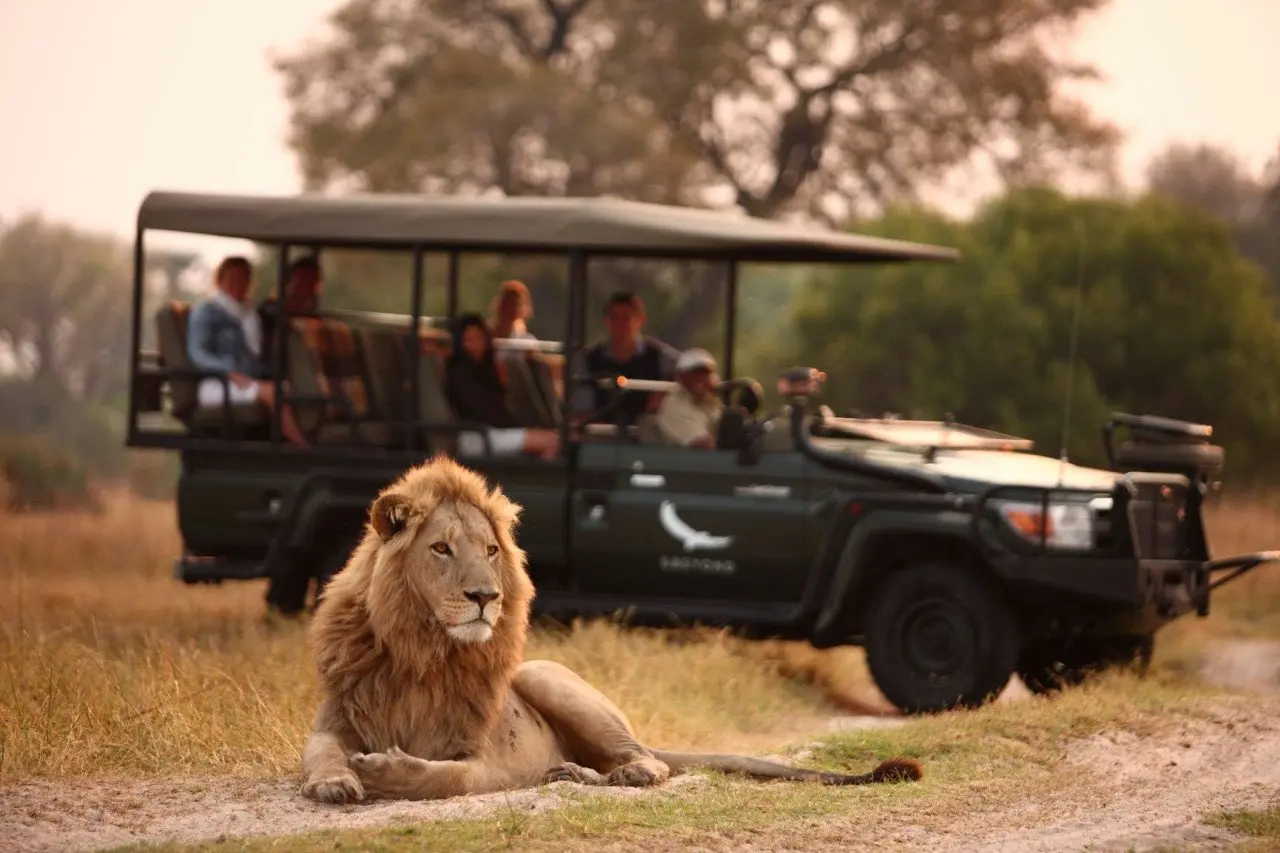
(511, 308)
(690, 415)
(224, 334)
(476, 392)
(302, 298)
(626, 352)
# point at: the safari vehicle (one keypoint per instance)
(955, 555)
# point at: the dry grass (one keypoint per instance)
(109, 666)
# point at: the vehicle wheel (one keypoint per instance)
(330, 560)
(1048, 670)
(287, 591)
(939, 636)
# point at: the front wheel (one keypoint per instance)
(939, 636)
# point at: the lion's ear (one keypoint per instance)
(389, 514)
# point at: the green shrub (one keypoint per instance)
(40, 476)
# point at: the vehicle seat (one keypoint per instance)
(524, 398)
(171, 344)
(647, 431)
(433, 404)
(325, 359)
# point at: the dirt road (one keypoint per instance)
(1153, 792)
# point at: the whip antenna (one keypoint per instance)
(1071, 360)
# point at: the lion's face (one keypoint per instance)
(456, 558)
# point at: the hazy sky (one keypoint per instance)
(102, 100)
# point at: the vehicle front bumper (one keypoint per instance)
(1162, 589)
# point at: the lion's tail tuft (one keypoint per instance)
(898, 770)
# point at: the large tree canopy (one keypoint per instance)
(1172, 322)
(810, 106)
(1214, 180)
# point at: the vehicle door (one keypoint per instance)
(692, 523)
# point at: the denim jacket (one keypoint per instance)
(216, 340)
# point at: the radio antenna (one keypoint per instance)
(1071, 360)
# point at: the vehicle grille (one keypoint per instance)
(1159, 522)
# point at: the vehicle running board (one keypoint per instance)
(192, 569)
(1238, 565)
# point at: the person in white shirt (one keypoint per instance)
(690, 415)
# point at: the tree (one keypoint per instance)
(790, 107)
(1170, 316)
(1214, 180)
(811, 106)
(1208, 178)
(64, 306)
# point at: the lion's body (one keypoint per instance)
(419, 642)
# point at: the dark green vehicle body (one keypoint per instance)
(834, 531)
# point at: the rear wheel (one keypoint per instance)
(939, 636)
(1045, 668)
(288, 589)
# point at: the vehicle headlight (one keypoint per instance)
(1068, 525)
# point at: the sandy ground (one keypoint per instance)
(1156, 791)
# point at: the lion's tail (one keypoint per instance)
(891, 770)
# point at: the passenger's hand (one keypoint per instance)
(240, 380)
(703, 443)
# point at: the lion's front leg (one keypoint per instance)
(396, 775)
(326, 776)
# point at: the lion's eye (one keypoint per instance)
(493, 549)
(441, 548)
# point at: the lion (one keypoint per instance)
(419, 643)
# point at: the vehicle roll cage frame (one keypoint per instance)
(780, 244)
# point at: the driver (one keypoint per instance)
(690, 415)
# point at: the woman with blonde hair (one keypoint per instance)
(511, 308)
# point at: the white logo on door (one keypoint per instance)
(686, 535)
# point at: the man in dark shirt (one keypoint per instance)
(627, 351)
(302, 295)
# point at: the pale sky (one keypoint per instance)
(103, 100)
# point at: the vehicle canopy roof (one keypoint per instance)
(515, 224)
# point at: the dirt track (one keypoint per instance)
(1154, 792)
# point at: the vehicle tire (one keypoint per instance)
(330, 560)
(287, 590)
(287, 587)
(1044, 669)
(939, 636)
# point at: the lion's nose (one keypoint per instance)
(480, 596)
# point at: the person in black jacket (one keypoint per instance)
(476, 390)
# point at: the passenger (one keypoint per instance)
(512, 307)
(626, 352)
(690, 415)
(302, 297)
(225, 334)
(476, 392)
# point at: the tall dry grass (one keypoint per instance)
(108, 665)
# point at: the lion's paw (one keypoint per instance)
(337, 790)
(570, 772)
(635, 775)
(370, 762)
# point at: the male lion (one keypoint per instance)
(419, 641)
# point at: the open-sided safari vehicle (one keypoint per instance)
(955, 555)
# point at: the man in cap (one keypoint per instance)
(690, 415)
